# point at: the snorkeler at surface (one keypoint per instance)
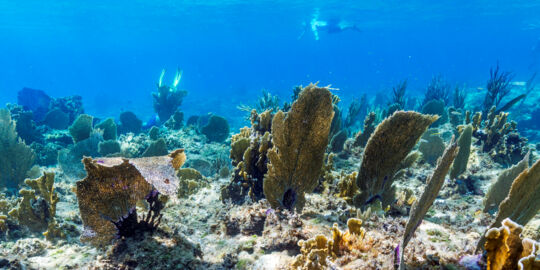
(331, 26)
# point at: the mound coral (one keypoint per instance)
(113, 186)
(16, 158)
(387, 147)
(299, 141)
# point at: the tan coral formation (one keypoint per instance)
(114, 186)
(391, 142)
(506, 249)
(37, 209)
(319, 252)
(300, 137)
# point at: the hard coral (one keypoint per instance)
(300, 138)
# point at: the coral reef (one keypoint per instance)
(438, 89)
(191, 181)
(34, 100)
(390, 143)
(16, 158)
(300, 139)
(108, 128)
(437, 107)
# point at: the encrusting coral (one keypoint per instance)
(113, 187)
(506, 249)
(500, 188)
(300, 138)
(391, 142)
(523, 200)
(422, 205)
(16, 158)
(319, 252)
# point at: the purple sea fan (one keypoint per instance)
(471, 262)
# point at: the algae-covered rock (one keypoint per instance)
(82, 127)
(216, 129)
(108, 126)
(16, 158)
(464, 142)
(191, 181)
(300, 138)
(390, 143)
(113, 187)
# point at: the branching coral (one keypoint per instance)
(168, 98)
(113, 187)
(433, 186)
(300, 138)
(16, 158)
(37, 208)
(398, 94)
(499, 137)
(459, 97)
(391, 142)
(357, 109)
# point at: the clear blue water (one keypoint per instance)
(112, 52)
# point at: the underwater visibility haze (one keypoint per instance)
(269, 134)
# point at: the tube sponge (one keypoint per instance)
(300, 138)
(390, 143)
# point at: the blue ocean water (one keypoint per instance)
(112, 52)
